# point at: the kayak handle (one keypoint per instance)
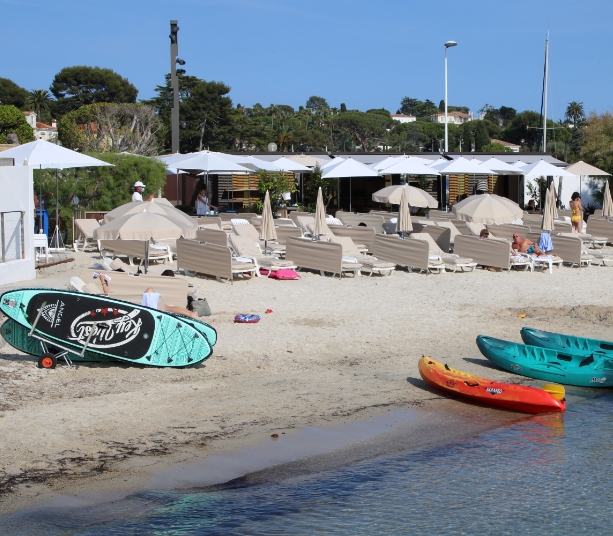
(471, 384)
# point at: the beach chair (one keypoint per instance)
(601, 227)
(363, 237)
(248, 249)
(305, 224)
(411, 254)
(212, 236)
(41, 244)
(209, 222)
(371, 220)
(134, 249)
(285, 231)
(491, 252)
(326, 257)
(370, 264)
(441, 235)
(507, 231)
(211, 259)
(251, 232)
(86, 230)
(474, 228)
(569, 249)
(452, 261)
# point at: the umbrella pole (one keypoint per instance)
(146, 256)
(40, 199)
(350, 194)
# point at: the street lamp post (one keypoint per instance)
(448, 44)
(174, 84)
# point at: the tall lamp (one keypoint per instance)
(448, 44)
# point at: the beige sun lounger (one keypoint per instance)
(569, 249)
(248, 249)
(507, 231)
(320, 255)
(410, 253)
(86, 230)
(601, 227)
(174, 289)
(285, 231)
(452, 261)
(212, 236)
(294, 215)
(211, 259)
(304, 223)
(441, 235)
(371, 220)
(489, 252)
(370, 264)
(251, 232)
(134, 249)
(209, 222)
(363, 237)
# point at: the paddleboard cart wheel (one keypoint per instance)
(48, 360)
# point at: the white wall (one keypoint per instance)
(16, 187)
(569, 186)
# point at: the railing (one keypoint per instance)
(14, 225)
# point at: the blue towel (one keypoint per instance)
(545, 242)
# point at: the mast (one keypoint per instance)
(545, 94)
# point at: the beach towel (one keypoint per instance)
(284, 274)
(545, 242)
(150, 299)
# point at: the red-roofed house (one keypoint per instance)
(42, 131)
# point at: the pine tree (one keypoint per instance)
(467, 138)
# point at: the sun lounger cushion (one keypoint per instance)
(351, 251)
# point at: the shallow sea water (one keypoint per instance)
(545, 474)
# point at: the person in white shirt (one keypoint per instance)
(202, 203)
(139, 189)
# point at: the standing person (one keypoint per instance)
(576, 219)
(139, 189)
(203, 206)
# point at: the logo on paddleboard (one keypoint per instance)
(516, 367)
(493, 390)
(112, 327)
(53, 313)
(598, 380)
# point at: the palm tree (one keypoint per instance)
(39, 100)
(575, 111)
(272, 110)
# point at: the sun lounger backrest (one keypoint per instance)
(227, 216)
(600, 226)
(209, 259)
(487, 252)
(132, 248)
(87, 227)
(568, 248)
(174, 289)
(474, 228)
(440, 235)
(562, 227)
(349, 249)
(244, 245)
(247, 230)
(408, 252)
(212, 236)
(285, 231)
(535, 237)
(387, 216)
(303, 222)
(506, 231)
(294, 215)
(448, 224)
(371, 220)
(433, 247)
(209, 220)
(359, 235)
(316, 255)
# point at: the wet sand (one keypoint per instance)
(331, 352)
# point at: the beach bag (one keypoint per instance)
(284, 274)
(247, 319)
(201, 306)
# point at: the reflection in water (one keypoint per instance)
(549, 473)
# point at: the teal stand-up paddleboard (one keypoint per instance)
(80, 323)
(585, 369)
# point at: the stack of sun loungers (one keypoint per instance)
(246, 248)
(370, 264)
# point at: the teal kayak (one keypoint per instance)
(584, 369)
(566, 343)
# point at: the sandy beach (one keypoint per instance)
(330, 352)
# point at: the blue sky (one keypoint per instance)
(366, 54)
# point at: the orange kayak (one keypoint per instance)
(503, 395)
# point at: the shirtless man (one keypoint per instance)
(523, 245)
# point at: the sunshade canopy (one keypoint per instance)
(255, 163)
(205, 161)
(308, 160)
(404, 222)
(267, 228)
(349, 168)
(488, 209)
(409, 166)
(545, 169)
(581, 168)
(155, 206)
(464, 166)
(416, 197)
(334, 162)
(386, 162)
(144, 226)
(48, 155)
(288, 164)
(500, 167)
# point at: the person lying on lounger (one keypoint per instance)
(523, 245)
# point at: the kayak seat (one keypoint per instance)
(606, 346)
(587, 361)
(564, 357)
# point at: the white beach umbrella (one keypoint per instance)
(409, 166)
(155, 206)
(307, 160)
(382, 164)
(582, 169)
(334, 162)
(545, 169)
(404, 223)
(252, 162)
(287, 164)
(348, 169)
(487, 209)
(320, 227)
(144, 226)
(206, 161)
(267, 229)
(463, 166)
(500, 167)
(416, 197)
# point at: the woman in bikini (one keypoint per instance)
(576, 219)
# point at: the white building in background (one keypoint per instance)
(42, 131)
(403, 118)
(453, 118)
(513, 146)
